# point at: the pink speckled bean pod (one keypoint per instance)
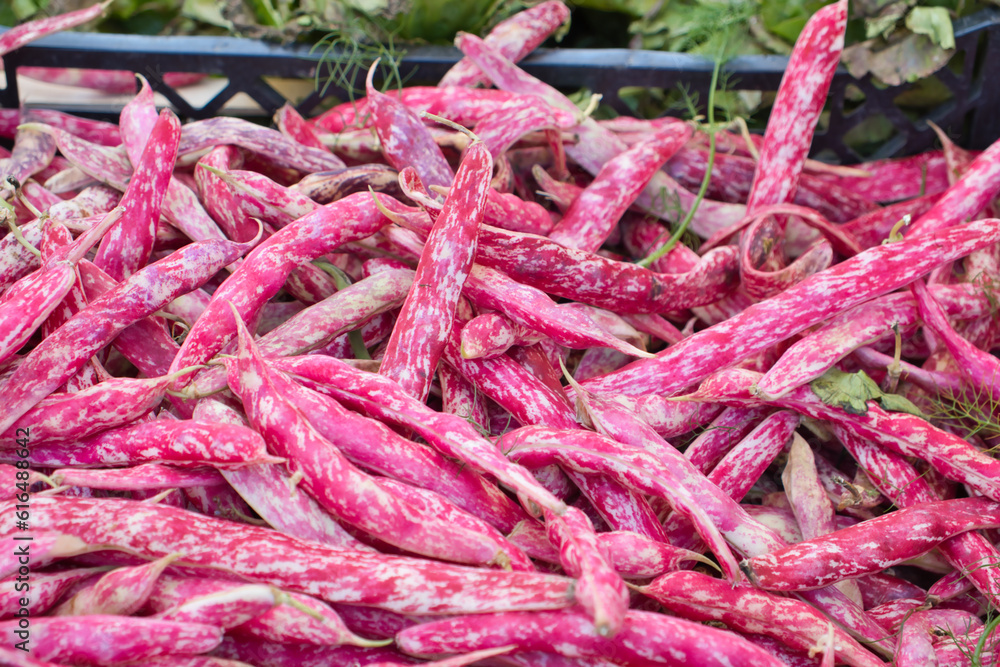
(699, 597)
(596, 145)
(95, 131)
(721, 512)
(879, 588)
(105, 164)
(147, 343)
(597, 361)
(375, 447)
(44, 590)
(373, 333)
(265, 269)
(327, 473)
(467, 526)
(561, 193)
(109, 639)
(899, 432)
(531, 308)
(900, 482)
(65, 417)
(218, 199)
(185, 661)
(252, 652)
(460, 397)
(113, 81)
(586, 452)
(796, 110)
(814, 511)
(56, 236)
(260, 197)
(589, 278)
(71, 179)
(380, 397)
(269, 490)
(404, 585)
(510, 385)
(425, 320)
(646, 639)
(978, 186)
(732, 176)
(184, 211)
(127, 247)
(270, 144)
(16, 261)
(26, 304)
(840, 240)
(385, 399)
(178, 442)
(924, 628)
(643, 447)
(491, 334)
(406, 141)
(92, 200)
(515, 38)
(292, 125)
(47, 546)
(896, 179)
(121, 592)
(619, 506)
(290, 625)
(227, 607)
(454, 661)
(520, 116)
(327, 186)
(799, 101)
(18, 658)
(746, 462)
(318, 325)
(871, 545)
(725, 431)
(869, 274)
(820, 350)
(595, 212)
(20, 35)
(978, 367)
(635, 556)
(38, 195)
(59, 356)
(510, 212)
(140, 477)
(34, 149)
(506, 211)
(459, 104)
(599, 589)
(812, 507)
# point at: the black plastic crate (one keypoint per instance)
(971, 116)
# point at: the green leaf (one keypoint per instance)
(850, 391)
(935, 22)
(911, 58)
(24, 8)
(883, 24)
(897, 403)
(206, 11)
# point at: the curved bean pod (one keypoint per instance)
(646, 639)
(871, 545)
(404, 585)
